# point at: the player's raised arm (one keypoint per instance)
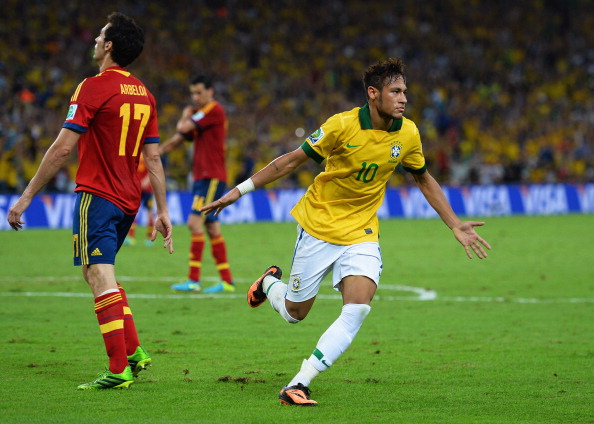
(278, 168)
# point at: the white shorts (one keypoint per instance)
(314, 259)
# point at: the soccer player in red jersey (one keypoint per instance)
(204, 122)
(113, 120)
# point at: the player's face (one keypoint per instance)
(99, 52)
(391, 101)
(201, 95)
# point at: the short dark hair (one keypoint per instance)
(201, 79)
(383, 73)
(126, 36)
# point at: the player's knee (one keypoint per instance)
(213, 229)
(355, 313)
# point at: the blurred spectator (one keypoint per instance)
(504, 89)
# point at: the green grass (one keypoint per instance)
(507, 340)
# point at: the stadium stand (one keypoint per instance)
(501, 91)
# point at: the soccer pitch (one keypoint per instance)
(449, 340)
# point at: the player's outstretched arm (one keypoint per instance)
(171, 143)
(276, 169)
(463, 230)
(152, 159)
(218, 205)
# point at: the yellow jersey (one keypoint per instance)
(340, 206)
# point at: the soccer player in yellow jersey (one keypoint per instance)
(337, 223)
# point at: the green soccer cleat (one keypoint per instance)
(139, 360)
(109, 380)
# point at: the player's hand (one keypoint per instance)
(470, 239)
(15, 213)
(163, 226)
(188, 112)
(218, 205)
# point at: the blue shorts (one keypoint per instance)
(98, 229)
(206, 191)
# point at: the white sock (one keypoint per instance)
(339, 335)
(276, 291)
(109, 291)
(305, 374)
(268, 281)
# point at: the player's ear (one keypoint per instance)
(372, 92)
(108, 45)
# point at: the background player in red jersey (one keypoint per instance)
(113, 119)
(205, 122)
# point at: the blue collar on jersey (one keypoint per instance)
(365, 120)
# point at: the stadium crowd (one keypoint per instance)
(501, 91)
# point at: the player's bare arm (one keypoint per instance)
(53, 160)
(178, 138)
(278, 168)
(171, 143)
(185, 125)
(152, 159)
(188, 112)
(463, 230)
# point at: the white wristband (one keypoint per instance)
(246, 186)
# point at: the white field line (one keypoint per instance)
(421, 294)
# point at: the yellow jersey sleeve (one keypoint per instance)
(414, 161)
(321, 142)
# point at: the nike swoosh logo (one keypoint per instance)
(296, 393)
(350, 146)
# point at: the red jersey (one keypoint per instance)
(116, 115)
(209, 142)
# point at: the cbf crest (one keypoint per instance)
(395, 150)
(296, 283)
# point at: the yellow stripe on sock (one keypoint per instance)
(117, 297)
(222, 266)
(196, 264)
(217, 240)
(117, 324)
